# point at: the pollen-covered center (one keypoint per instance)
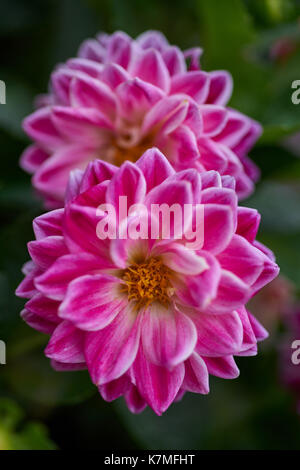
(148, 282)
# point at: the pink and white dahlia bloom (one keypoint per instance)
(122, 96)
(149, 318)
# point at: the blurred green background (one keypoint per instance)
(258, 41)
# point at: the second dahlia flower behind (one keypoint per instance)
(120, 97)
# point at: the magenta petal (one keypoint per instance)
(151, 68)
(46, 250)
(66, 344)
(219, 225)
(134, 400)
(157, 385)
(116, 388)
(92, 302)
(136, 97)
(214, 119)
(89, 92)
(232, 293)
(110, 352)
(32, 158)
(129, 181)
(223, 367)
(119, 49)
(174, 60)
(220, 87)
(155, 167)
(196, 378)
(64, 367)
(44, 308)
(39, 126)
(55, 280)
(199, 290)
(242, 259)
(218, 335)
(194, 84)
(48, 224)
(26, 288)
(113, 75)
(168, 336)
(43, 325)
(248, 223)
(182, 260)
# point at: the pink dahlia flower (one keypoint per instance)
(122, 96)
(149, 318)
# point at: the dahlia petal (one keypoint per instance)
(223, 367)
(46, 250)
(218, 335)
(152, 39)
(219, 225)
(32, 158)
(113, 75)
(174, 60)
(54, 282)
(81, 224)
(221, 85)
(48, 224)
(134, 400)
(81, 124)
(63, 367)
(149, 66)
(90, 67)
(119, 49)
(38, 323)
(39, 127)
(222, 196)
(193, 56)
(181, 259)
(155, 167)
(168, 336)
(269, 272)
(259, 331)
(182, 146)
(129, 181)
(53, 175)
(232, 293)
(74, 185)
(194, 84)
(246, 143)
(26, 288)
(248, 223)
(110, 352)
(211, 156)
(91, 302)
(163, 111)
(196, 378)
(211, 179)
(92, 50)
(241, 258)
(157, 385)
(136, 97)
(95, 173)
(43, 307)
(199, 290)
(214, 119)
(116, 388)
(88, 92)
(236, 128)
(167, 195)
(66, 344)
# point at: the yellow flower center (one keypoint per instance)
(148, 282)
